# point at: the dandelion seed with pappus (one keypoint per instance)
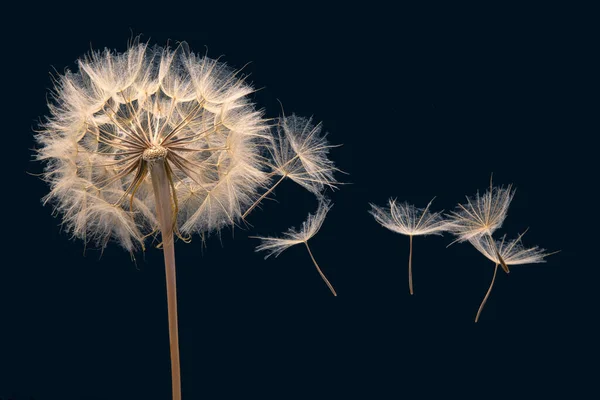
(510, 252)
(299, 152)
(481, 216)
(275, 246)
(408, 220)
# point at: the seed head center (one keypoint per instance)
(154, 153)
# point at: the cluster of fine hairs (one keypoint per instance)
(474, 221)
(299, 152)
(120, 113)
(160, 140)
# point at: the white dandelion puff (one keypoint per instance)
(408, 220)
(481, 215)
(275, 246)
(152, 139)
(511, 252)
(300, 152)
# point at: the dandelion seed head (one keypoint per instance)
(121, 112)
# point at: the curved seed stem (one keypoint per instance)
(410, 280)
(262, 197)
(500, 259)
(164, 211)
(487, 294)
(319, 269)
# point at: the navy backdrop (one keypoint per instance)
(421, 112)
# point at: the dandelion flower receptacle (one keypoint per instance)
(152, 140)
(275, 246)
(408, 220)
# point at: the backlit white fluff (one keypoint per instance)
(300, 152)
(118, 105)
(310, 227)
(512, 252)
(408, 220)
(482, 214)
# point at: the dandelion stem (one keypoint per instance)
(500, 259)
(487, 294)
(319, 269)
(263, 196)
(164, 211)
(410, 280)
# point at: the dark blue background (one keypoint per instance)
(422, 111)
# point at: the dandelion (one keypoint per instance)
(299, 152)
(511, 252)
(152, 139)
(481, 216)
(310, 227)
(408, 220)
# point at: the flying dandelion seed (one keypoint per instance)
(481, 216)
(408, 220)
(310, 227)
(511, 252)
(152, 139)
(299, 152)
